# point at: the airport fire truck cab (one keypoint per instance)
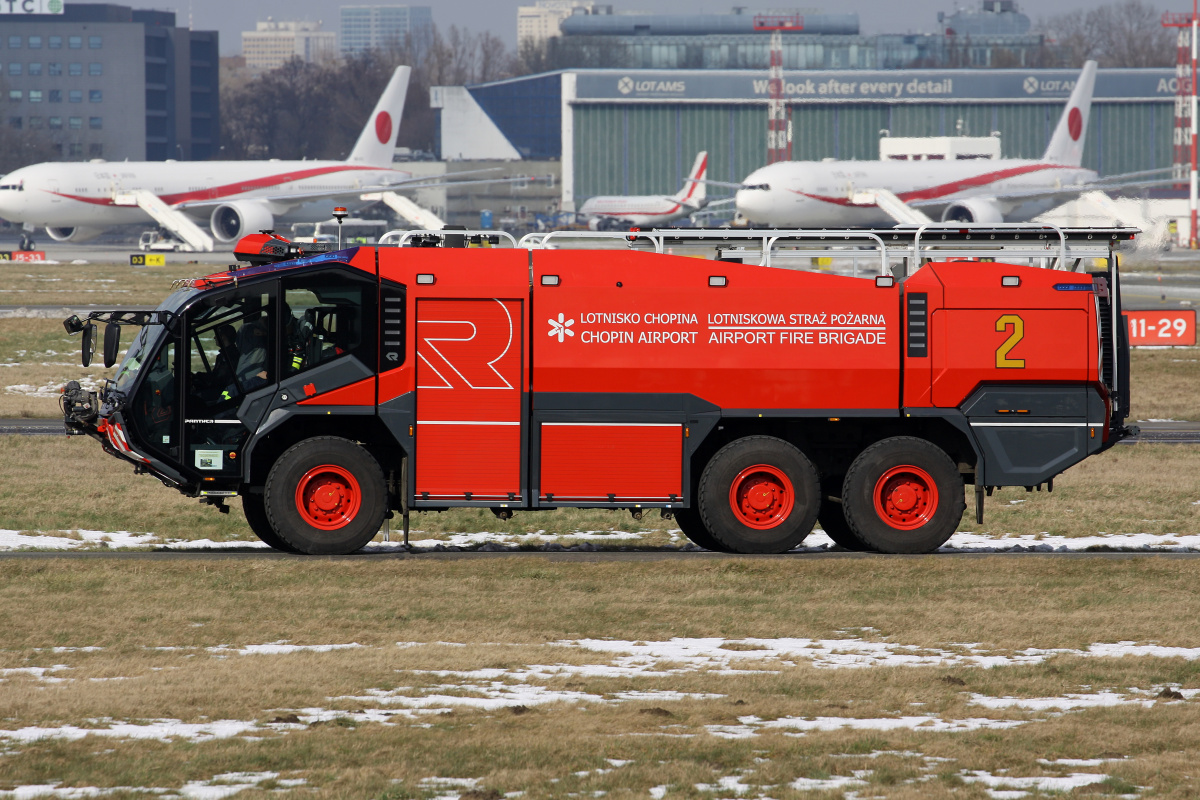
(751, 383)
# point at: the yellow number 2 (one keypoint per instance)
(1018, 333)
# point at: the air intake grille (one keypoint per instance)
(391, 328)
(918, 324)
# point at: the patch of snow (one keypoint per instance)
(924, 724)
(966, 542)
(37, 672)
(1068, 702)
(163, 730)
(825, 785)
(727, 784)
(1042, 784)
(642, 658)
(1076, 762)
(281, 648)
(659, 792)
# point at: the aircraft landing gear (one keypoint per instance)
(27, 243)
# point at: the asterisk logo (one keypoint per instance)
(561, 327)
(1031, 85)
(625, 85)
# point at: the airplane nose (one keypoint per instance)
(753, 204)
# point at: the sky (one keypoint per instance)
(231, 17)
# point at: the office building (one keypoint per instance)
(994, 35)
(540, 21)
(371, 27)
(273, 43)
(106, 81)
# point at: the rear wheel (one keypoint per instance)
(759, 495)
(832, 520)
(903, 495)
(326, 496)
(255, 510)
(693, 528)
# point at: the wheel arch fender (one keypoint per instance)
(283, 430)
(949, 429)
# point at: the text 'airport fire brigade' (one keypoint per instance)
(749, 400)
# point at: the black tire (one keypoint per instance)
(341, 488)
(903, 495)
(782, 479)
(254, 507)
(693, 528)
(832, 520)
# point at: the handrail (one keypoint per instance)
(1062, 260)
(768, 237)
(405, 236)
(883, 248)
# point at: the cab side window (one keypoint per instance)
(230, 344)
(326, 316)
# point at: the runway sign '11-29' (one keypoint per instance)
(1162, 328)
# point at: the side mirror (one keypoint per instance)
(112, 343)
(89, 343)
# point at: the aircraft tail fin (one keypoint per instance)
(1066, 145)
(377, 142)
(692, 192)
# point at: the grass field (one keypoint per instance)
(897, 678)
(102, 284)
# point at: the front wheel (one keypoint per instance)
(759, 494)
(903, 495)
(326, 496)
(255, 509)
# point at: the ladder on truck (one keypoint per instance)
(174, 221)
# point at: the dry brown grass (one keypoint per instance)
(1165, 384)
(99, 284)
(506, 609)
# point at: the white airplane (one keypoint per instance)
(838, 194)
(611, 212)
(78, 201)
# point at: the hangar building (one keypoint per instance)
(620, 131)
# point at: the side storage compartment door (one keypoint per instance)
(1009, 324)
(608, 462)
(469, 400)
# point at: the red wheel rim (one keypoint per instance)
(906, 497)
(761, 497)
(328, 497)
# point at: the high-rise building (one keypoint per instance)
(371, 27)
(274, 43)
(540, 21)
(106, 81)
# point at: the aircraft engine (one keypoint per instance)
(75, 234)
(973, 210)
(232, 221)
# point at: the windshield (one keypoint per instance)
(146, 342)
(142, 344)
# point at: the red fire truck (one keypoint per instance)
(750, 394)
